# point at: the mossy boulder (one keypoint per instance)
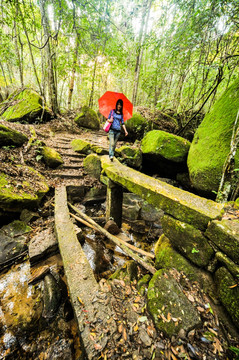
(166, 301)
(88, 118)
(211, 143)
(26, 106)
(164, 153)
(136, 126)
(81, 146)
(166, 257)
(165, 146)
(92, 165)
(130, 156)
(10, 136)
(188, 240)
(225, 235)
(16, 195)
(228, 295)
(51, 157)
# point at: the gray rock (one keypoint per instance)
(42, 246)
(12, 240)
(51, 297)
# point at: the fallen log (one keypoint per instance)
(116, 240)
(132, 247)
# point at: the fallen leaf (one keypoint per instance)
(191, 298)
(124, 334)
(97, 346)
(231, 287)
(137, 299)
(120, 328)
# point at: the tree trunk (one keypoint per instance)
(30, 49)
(139, 52)
(72, 80)
(51, 78)
(19, 63)
(93, 85)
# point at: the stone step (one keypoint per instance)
(67, 175)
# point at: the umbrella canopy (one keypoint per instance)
(108, 101)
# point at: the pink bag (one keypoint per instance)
(107, 126)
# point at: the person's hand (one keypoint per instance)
(126, 132)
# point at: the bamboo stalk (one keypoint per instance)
(116, 240)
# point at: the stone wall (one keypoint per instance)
(196, 228)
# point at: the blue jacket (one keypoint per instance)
(118, 120)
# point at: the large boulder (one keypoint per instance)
(169, 307)
(88, 119)
(211, 143)
(51, 157)
(130, 156)
(136, 126)
(26, 106)
(16, 194)
(164, 152)
(10, 136)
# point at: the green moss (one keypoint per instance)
(81, 146)
(28, 105)
(181, 204)
(229, 296)
(211, 143)
(142, 283)
(88, 118)
(92, 165)
(188, 240)
(51, 157)
(15, 196)
(136, 126)
(128, 272)
(11, 137)
(130, 156)
(166, 145)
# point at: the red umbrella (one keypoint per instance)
(108, 101)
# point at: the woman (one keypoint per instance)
(116, 118)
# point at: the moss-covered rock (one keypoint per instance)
(166, 301)
(128, 272)
(228, 295)
(26, 106)
(88, 118)
(143, 283)
(99, 150)
(51, 157)
(188, 240)
(228, 263)
(136, 126)
(11, 137)
(165, 145)
(225, 235)
(92, 165)
(130, 156)
(16, 196)
(166, 257)
(211, 143)
(81, 146)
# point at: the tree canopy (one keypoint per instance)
(177, 54)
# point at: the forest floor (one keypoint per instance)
(140, 339)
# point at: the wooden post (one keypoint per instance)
(114, 200)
